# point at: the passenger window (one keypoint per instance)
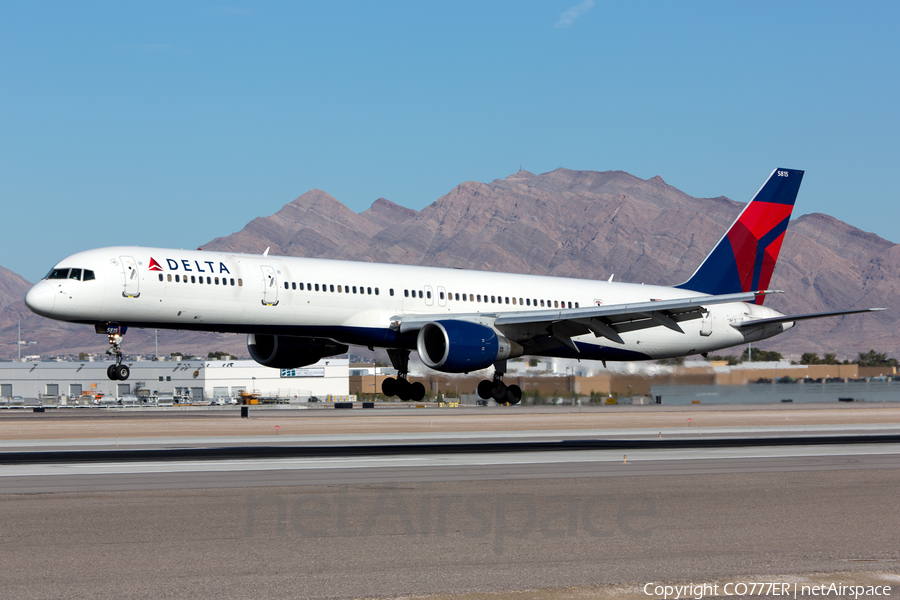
(317, 287)
(169, 278)
(457, 296)
(369, 291)
(160, 277)
(287, 286)
(193, 280)
(240, 282)
(331, 288)
(441, 295)
(479, 297)
(514, 300)
(232, 281)
(542, 303)
(209, 280)
(576, 305)
(217, 281)
(527, 301)
(376, 291)
(392, 291)
(555, 304)
(406, 293)
(340, 289)
(88, 275)
(199, 279)
(309, 287)
(471, 298)
(507, 299)
(293, 285)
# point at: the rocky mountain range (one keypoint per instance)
(568, 223)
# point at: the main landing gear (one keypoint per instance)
(114, 333)
(497, 390)
(401, 387)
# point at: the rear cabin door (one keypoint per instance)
(706, 324)
(270, 286)
(429, 295)
(132, 277)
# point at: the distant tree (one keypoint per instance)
(760, 356)
(809, 358)
(82, 355)
(830, 359)
(532, 362)
(875, 359)
(219, 355)
(678, 360)
(731, 360)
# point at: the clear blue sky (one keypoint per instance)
(171, 123)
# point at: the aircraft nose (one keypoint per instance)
(40, 298)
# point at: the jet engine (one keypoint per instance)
(286, 352)
(454, 346)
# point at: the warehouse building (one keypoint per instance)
(192, 380)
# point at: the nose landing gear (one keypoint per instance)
(114, 333)
(497, 390)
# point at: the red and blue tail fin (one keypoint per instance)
(744, 259)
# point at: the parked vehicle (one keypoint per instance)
(128, 400)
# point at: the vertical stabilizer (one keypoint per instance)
(744, 259)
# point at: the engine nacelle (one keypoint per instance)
(286, 352)
(455, 346)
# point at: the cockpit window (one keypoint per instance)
(76, 274)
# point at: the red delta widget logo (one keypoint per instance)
(189, 266)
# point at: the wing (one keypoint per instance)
(753, 324)
(610, 321)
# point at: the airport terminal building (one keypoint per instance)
(192, 380)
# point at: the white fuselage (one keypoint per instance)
(354, 302)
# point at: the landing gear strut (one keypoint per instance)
(401, 387)
(117, 371)
(497, 390)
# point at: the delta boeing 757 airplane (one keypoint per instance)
(296, 311)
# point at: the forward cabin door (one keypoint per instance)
(442, 296)
(270, 286)
(132, 277)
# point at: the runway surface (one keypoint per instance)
(564, 523)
